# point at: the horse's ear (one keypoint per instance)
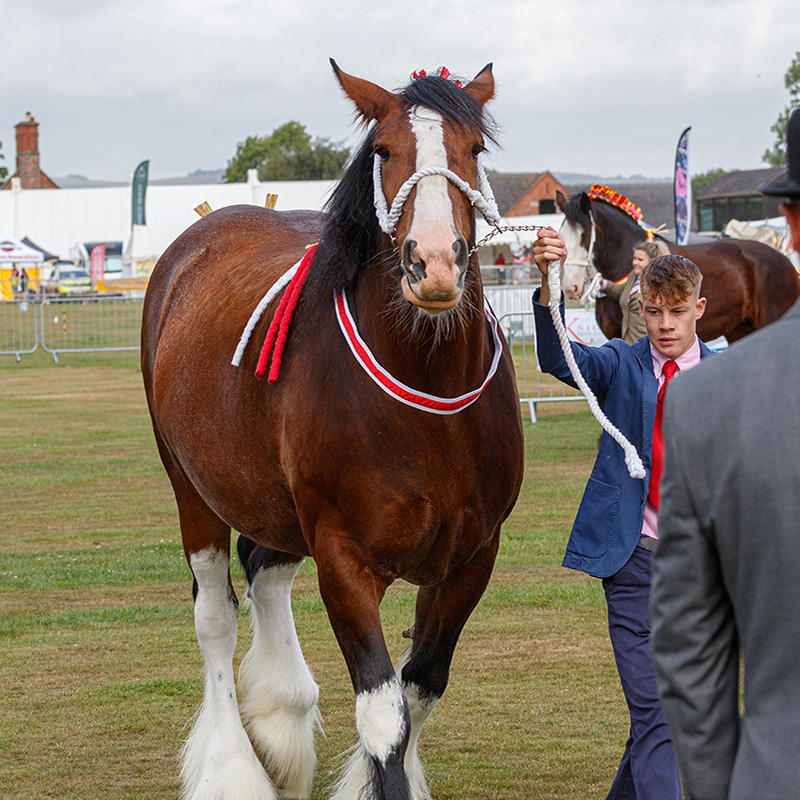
(586, 203)
(482, 85)
(561, 201)
(372, 102)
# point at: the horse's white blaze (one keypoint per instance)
(380, 719)
(577, 261)
(279, 695)
(432, 226)
(218, 759)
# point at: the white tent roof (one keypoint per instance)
(14, 250)
(60, 218)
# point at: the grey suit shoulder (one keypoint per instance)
(725, 572)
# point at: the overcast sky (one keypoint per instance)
(591, 86)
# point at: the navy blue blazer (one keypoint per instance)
(609, 521)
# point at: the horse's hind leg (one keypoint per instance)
(278, 692)
(218, 760)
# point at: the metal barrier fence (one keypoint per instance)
(19, 331)
(534, 385)
(70, 325)
(73, 325)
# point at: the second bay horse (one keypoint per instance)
(747, 284)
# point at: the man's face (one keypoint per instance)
(792, 214)
(671, 326)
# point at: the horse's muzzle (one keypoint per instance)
(434, 283)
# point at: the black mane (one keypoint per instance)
(351, 237)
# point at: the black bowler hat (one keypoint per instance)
(788, 185)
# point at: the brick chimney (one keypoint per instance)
(28, 170)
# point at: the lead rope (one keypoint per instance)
(632, 460)
(483, 200)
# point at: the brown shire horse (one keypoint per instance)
(326, 462)
(747, 284)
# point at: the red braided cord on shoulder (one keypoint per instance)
(275, 340)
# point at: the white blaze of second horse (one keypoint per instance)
(577, 262)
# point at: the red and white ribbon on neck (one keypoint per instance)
(395, 388)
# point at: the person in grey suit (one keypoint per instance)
(726, 571)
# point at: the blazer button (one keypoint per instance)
(641, 499)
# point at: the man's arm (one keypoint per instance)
(548, 248)
(693, 635)
(597, 364)
(613, 290)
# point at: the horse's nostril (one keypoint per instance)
(412, 263)
(462, 254)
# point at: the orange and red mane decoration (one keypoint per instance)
(607, 194)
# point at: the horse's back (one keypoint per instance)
(229, 259)
(746, 278)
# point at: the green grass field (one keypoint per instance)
(99, 666)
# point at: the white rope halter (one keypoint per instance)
(482, 197)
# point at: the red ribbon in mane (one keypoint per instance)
(275, 340)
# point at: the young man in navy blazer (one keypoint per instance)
(616, 527)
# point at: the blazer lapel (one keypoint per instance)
(649, 392)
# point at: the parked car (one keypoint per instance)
(67, 279)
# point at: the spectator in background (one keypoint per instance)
(726, 572)
(626, 292)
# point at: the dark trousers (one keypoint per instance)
(648, 770)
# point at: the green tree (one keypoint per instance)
(287, 154)
(776, 156)
(3, 170)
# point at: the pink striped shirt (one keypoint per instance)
(689, 359)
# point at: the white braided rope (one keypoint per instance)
(259, 310)
(632, 460)
(482, 197)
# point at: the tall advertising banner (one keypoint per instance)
(97, 263)
(683, 190)
(139, 190)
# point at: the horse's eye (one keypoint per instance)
(477, 149)
(383, 152)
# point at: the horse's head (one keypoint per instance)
(578, 233)
(426, 143)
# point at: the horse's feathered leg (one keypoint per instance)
(441, 613)
(218, 760)
(352, 593)
(278, 692)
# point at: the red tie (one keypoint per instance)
(669, 369)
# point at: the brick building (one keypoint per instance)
(525, 194)
(29, 172)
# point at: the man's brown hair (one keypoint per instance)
(670, 279)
